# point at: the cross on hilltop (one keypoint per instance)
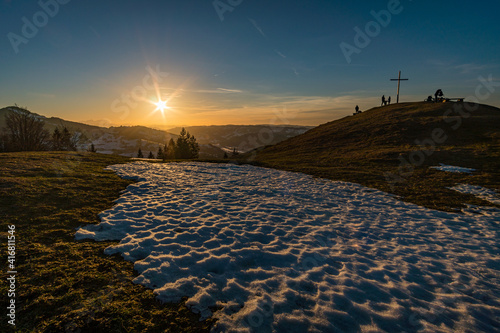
(399, 79)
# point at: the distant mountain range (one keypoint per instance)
(126, 140)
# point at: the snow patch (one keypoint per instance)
(479, 191)
(451, 168)
(271, 251)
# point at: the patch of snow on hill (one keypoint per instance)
(271, 251)
(451, 168)
(479, 191)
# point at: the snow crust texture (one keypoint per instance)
(270, 251)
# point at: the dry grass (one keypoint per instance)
(64, 285)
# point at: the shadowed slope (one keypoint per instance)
(372, 147)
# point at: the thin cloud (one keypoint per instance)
(229, 90)
(256, 26)
(280, 54)
(466, 68)
(218, 91)
(471, 68)
(42, 95)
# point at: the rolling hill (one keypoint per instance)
(392, 147)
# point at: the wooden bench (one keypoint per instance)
(453, 100)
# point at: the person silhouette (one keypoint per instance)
(438, 95)
(389, 100)
(383, 100)
(357, 109)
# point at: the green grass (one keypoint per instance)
(64, 285)
(365, 148)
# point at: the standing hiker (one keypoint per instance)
(438, 95)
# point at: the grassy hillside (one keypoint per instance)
(379, 148)
(64, 285)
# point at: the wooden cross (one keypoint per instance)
(399, 79)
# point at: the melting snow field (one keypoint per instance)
(271, 251)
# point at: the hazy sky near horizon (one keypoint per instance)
(241, 61)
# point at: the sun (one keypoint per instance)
(161, 106)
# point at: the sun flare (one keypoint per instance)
(161, 106)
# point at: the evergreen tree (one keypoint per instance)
(56, 140)
(139, 154)
(225, 156)
(182, 150)
(151, 156)
(92, 148)
(186, 146)
(194, 148)
(62, 139)
(170, 150)
(66, 139)
(161, 153)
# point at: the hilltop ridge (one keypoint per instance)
(392, 147)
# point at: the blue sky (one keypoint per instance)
(265, 62)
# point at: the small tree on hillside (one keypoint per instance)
(92, 148)
(182, 145)
(194, 148)
(186, 146)
(151, 156)
(68, 140)
(63, 139)
(56, 141)
(170, 150)
(139, 154)
(161, 153)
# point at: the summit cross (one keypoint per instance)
(399, 79)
